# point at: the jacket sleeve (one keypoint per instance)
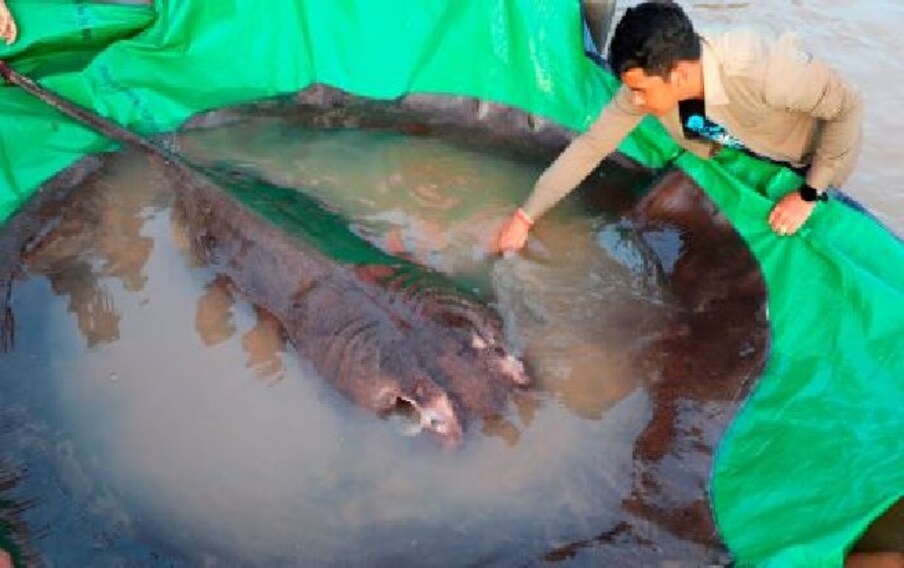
(584, 153)
(799, 82)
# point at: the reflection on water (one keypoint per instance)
(263, 344)
(97, 246)
(163, 419)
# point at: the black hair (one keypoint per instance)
(653, 36)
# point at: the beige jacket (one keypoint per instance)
(773, 96)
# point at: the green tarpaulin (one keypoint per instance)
(817, 451)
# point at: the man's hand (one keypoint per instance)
(790, 213)
(513, 235)
(8, 29)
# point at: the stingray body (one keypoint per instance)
(384, 331)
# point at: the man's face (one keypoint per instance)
(651, 93)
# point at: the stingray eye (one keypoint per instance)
(434, 421)
(438, 425)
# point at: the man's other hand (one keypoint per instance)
(8, 30)
(790, 213)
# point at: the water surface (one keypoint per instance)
(152, 414)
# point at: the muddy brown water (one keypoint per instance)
(150, 413)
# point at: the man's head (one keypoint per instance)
(656, 52)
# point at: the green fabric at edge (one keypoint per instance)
(816, 452)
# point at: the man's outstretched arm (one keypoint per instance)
(574, 164)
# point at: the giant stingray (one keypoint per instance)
(700, 366)
(385, 332)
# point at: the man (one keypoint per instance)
(767, 98)
(8, 29)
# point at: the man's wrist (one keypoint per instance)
(522, 214)
(809, 193)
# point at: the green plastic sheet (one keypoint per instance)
(816, 452)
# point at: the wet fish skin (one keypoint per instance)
(270, 242)
(383, 331)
